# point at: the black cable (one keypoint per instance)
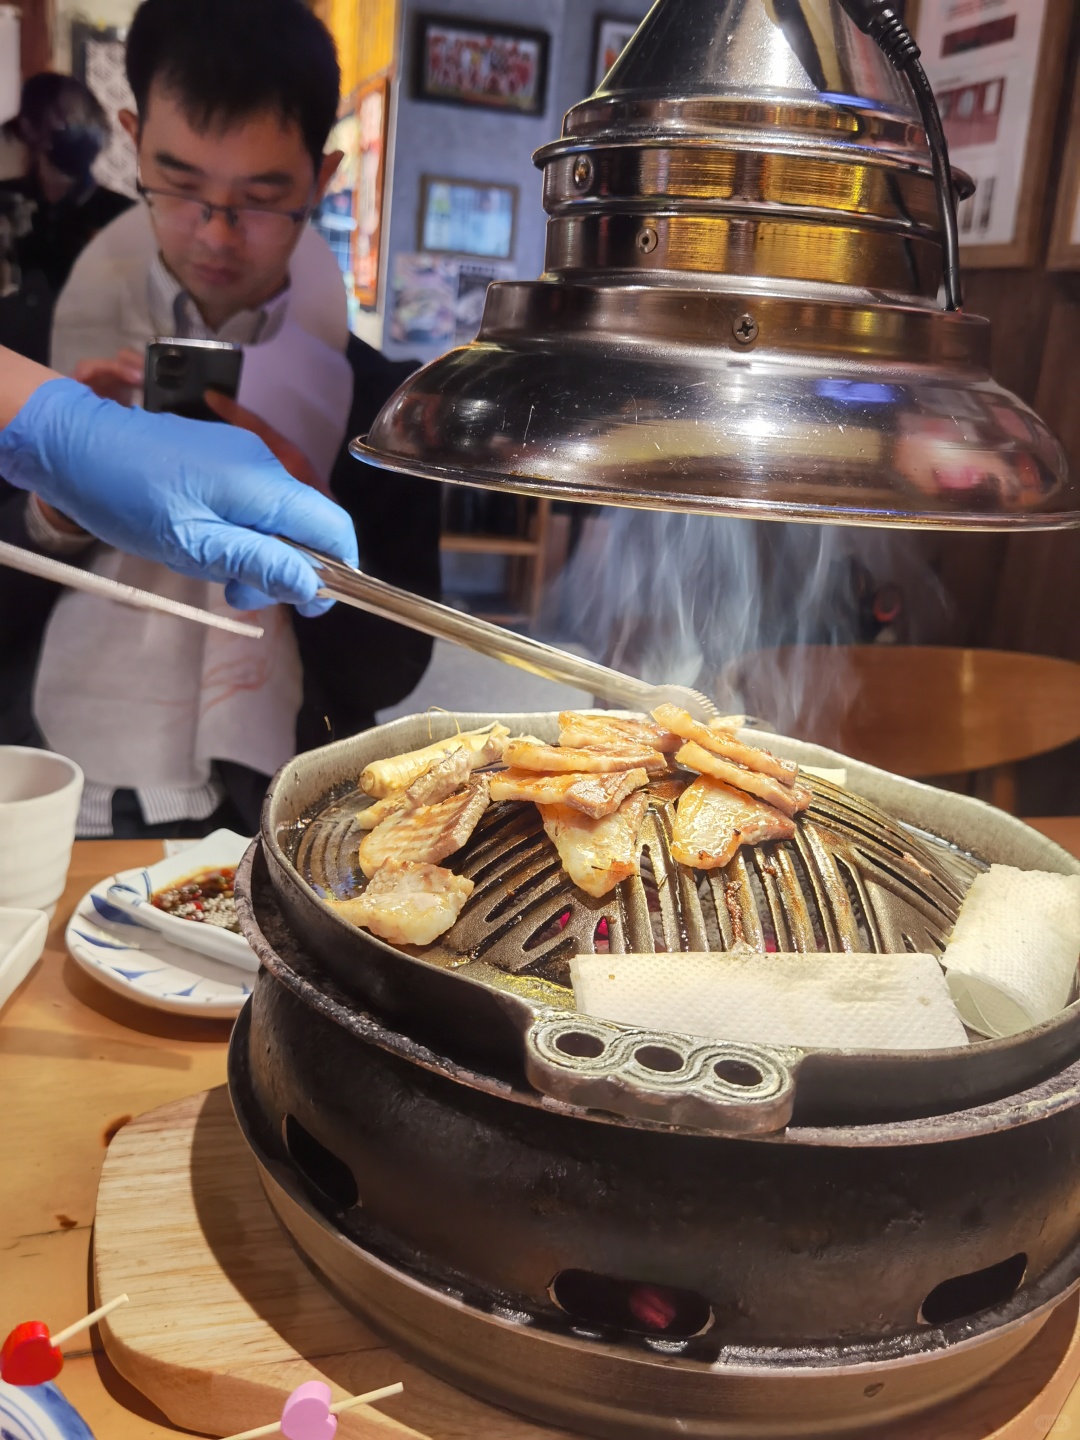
(878, 19)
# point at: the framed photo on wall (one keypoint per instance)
(467, 217)
(997, 67)
(612, 37)
(489, 66)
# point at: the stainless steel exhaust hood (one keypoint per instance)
(739, 309)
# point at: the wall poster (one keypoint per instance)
(468, 62)
(996, 68)
(436, 300)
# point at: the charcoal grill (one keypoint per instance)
(634, 1277)
(494, 990)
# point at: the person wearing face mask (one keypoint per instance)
(64, 129)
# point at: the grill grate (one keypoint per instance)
(851, 879)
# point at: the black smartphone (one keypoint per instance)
(179, 372)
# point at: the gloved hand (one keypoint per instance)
(203, 499)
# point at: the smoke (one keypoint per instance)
(680, 598)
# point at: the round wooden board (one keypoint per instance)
(225, 1319)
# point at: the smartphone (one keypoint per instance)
(179, 372)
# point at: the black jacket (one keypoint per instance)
(353, 663)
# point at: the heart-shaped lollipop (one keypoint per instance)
(29, 1357)
(306, 1415)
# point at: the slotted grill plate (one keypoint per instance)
(851, 879)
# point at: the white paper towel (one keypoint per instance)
(1012, 956)
(824, 1002)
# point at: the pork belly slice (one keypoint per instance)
(397, 772)
(430, 832)
(408, 902)
(712, 820)
(527, 753)
(597, 854)
(722, 742)
(784, 797)
(578, 729)
(594, 795)
(440, 779)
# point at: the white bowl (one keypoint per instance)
(39, 806)
(22, 939)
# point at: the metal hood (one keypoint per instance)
(739, 309)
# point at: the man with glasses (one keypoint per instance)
(234, 103)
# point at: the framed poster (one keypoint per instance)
(612, 37)
(996, 67)
(491, 66)
(372, 113)
(467, 217)
(1065, 236)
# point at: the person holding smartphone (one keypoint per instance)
(235, 100)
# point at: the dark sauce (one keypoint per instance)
(206, 896)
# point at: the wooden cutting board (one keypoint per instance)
(225, 1319)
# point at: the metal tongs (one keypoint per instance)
(352, 587)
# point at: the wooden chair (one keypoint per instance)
(918, 710)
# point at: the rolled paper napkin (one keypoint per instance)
(820, 1002)
(1011, 960)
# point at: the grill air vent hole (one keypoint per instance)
(738, 1072)
(601, 940)
(866, 943)
(580, 1044)
(630, 1306)
(652, 900)
(659, 1058)
(320, 1167)
(549, 930)
(965, 1295)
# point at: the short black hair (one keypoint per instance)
(56, 102)
(229, 59)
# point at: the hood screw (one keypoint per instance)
(647, 241)
(745, 329)
(583, 172)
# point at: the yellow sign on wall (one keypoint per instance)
(366, 35)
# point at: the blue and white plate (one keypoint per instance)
(109, 943)
(39, 1412)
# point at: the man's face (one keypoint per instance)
(257, 163)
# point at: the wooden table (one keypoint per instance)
(75, 1062)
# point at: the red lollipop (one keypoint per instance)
(30, 1356)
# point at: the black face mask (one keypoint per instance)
(73, 150)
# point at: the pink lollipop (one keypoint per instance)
(308, 1414)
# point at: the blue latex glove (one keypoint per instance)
(204, 499)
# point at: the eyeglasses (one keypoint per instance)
(185, 213)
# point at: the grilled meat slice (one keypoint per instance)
(408, 902)
(527, 753)
(430, 832)
(722, 742)
(597, 854)
(440, 779)
(784, 797)
(578, 729)
(384, 777)
(712, 820)
(594, 795)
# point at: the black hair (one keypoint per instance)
(60, 102)
(229, 59)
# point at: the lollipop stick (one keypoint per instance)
(91, 1319)
(383, 1394)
